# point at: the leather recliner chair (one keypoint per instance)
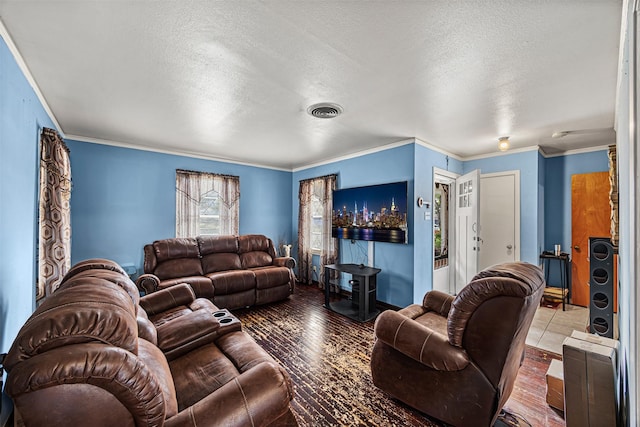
(90, 355)
(456, 358)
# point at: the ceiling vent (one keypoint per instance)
(325, 110)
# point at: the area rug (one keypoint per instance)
(327, 356)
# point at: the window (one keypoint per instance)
(206, 204)
(317, 208)
(314, 227)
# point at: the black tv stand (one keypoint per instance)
(362, 306)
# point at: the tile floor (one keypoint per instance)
(552, 325)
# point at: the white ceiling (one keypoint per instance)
(233, 79)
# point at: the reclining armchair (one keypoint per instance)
(456, 358)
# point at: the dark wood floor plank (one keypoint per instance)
(327, 356)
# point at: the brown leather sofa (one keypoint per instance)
(95, 353)
(232, 271)
(456, 358)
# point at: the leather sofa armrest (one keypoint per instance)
(413, 311)
(422, 344)
(288, 262)
(438, 301)
(148, 283)
(182, 334)
(163, 300)
(258, 396)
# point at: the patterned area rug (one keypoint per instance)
(327, 356)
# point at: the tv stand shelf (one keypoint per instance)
(362, 306)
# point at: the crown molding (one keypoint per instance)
(356, 154)
(438, 149)
(502, 153)
(182, 153)
(4, 33)
(576, 151)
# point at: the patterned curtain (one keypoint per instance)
(320, 189)
(54, 246)
(200, 194)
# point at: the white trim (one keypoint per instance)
(165, 151)
(4, 33)
(378, 149)
(444, 173)
(516, 195)
(451, 229)
(438, 149)
(502, 153)
(356, 154)
(576, 151)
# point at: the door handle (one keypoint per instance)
(509, 247)
(576, 247)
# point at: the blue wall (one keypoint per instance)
(395, 282)
(124, 198)
(527, 163)
(22, 116)
(425, 160)
(558, 193)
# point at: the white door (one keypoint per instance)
(467, 227)
(499, 218)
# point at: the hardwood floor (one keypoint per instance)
(327, 356)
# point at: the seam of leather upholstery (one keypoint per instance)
(244, 400)
(398, 330)
(442, 306)
(175, 304)
(423, 344)
(192, 416)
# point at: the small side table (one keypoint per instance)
(563, 262)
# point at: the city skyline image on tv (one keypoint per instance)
(374, 213)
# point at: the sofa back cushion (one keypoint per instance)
(97, 311)
(255, 250)
(217, 244)
(219, 253)
(179, 257)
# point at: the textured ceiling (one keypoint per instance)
(233, 79)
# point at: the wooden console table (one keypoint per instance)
(362, 306)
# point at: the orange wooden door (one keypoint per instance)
(590, 217)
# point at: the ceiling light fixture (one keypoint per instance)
(325, 110)
(503, 143)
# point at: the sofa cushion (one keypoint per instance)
(224, 261)
(178, 267)
(97, 311)
(217, 244)
(201, 372)
(201, 285)
(230, 282)
(269, 277)
(255, 242)
(255, 259)
(167, 249)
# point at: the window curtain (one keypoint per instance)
(191, 186)
(323, 188)
(54, 237)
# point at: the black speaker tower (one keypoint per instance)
(601, 285)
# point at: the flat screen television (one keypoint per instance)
(376, 213)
